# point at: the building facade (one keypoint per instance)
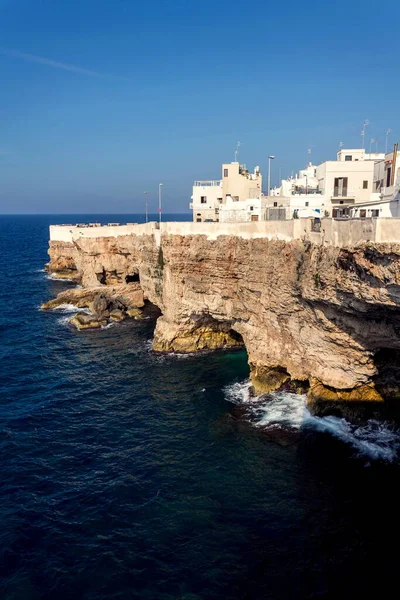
(237, 185)
(355, 185)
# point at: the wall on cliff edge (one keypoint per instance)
(334, 232)
(306, 311)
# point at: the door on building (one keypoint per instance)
(254, 217)
(388, 177)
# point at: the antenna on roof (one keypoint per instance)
(387, 133)
(341, 145)
(372, 141)
(366, 122)
(237, 150)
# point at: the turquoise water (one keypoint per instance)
(125, 474)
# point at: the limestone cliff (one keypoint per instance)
(306, 313)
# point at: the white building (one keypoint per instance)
(242, 211)
(345, 187)
(303, 182)
(355, 185)
(237, 184)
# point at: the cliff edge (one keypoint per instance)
(315, 315)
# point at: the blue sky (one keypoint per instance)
(102, 100)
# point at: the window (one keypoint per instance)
(375, 212)
(251, 207)
(348, 157)
(199, 214)
(219, 200)
(203, 199)
(198, 220)
(225, 172)
(217, 211)
(365, 184)
(275, 204)
(363, 213)
(307, 203)
(340, 187)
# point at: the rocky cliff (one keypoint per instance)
(324, 317)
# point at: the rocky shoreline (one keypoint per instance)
(105, 304)
(320, 319)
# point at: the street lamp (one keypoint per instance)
(146, 205)
(159, 201)
(387, 133)
(269, 172)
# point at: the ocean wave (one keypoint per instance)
(70, 308)
(64, 320)
(54, 278)
(377, 440)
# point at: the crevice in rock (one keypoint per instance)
(132, 278)
(101, 277)
(387, 378)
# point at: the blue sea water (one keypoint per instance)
(125, 474)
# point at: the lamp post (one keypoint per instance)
(146, 206)
(269, 172)
(387, 133)
(159, 201)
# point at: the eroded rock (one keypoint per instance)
(305, 312)
(85, 321)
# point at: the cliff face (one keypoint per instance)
(308, 313)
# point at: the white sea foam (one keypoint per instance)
(54, 278)
(70, 308)
(64, 320)
(375, 439)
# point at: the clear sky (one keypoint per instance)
(100, 100)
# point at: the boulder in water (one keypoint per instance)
(85, 321)
(134, 313)
(117, 315)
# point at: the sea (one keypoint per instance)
(131, 475)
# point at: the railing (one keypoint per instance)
(345, 194)
(340, 193)
(208, 183)
(276, 214)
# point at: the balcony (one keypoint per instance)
(342, 195)
(208, 183)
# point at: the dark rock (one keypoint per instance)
(100, 304)
(85, 321)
